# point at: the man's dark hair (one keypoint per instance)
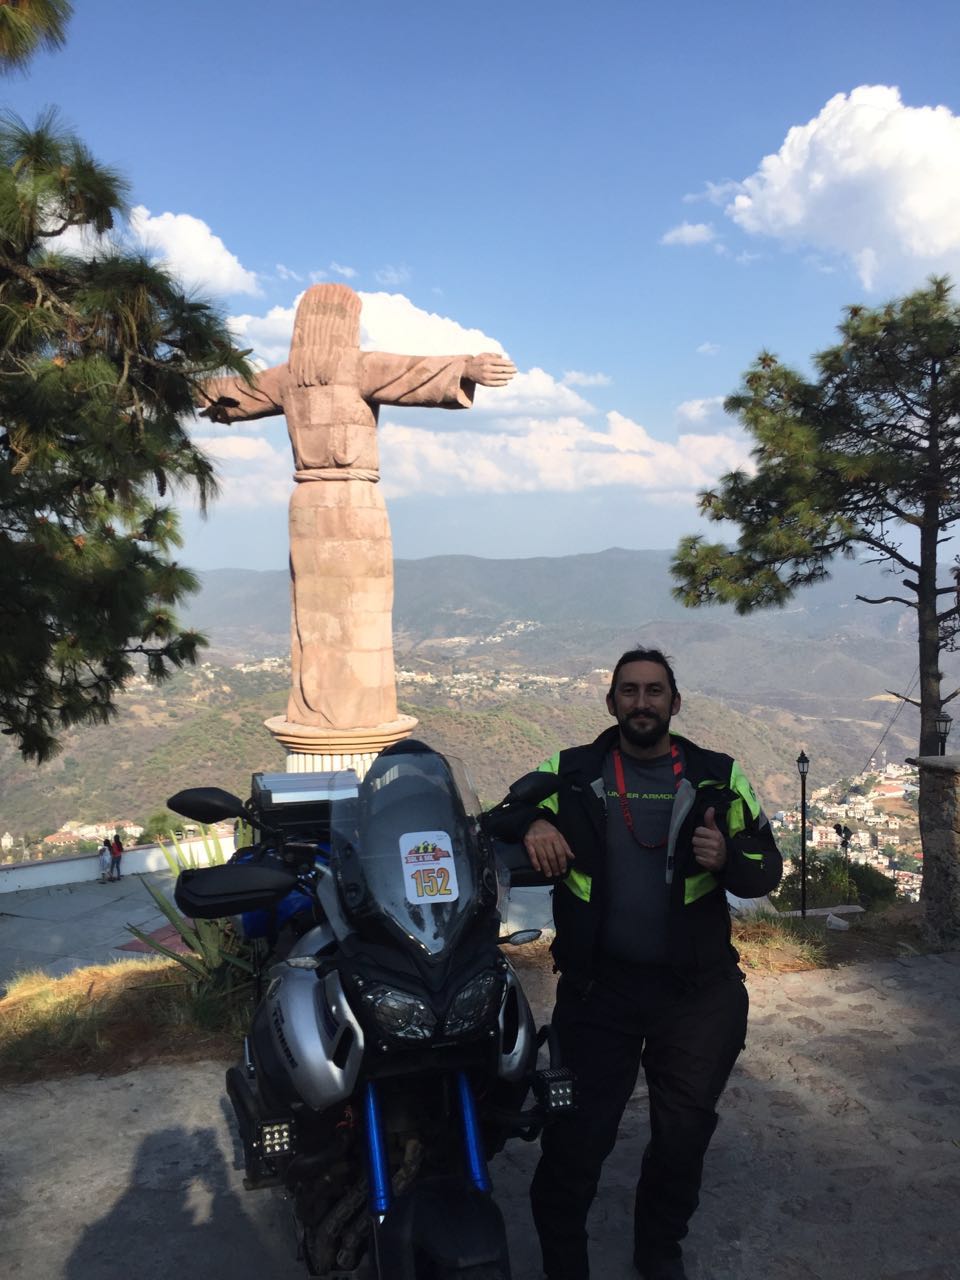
(645, 655)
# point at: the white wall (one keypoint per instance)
(59, 871)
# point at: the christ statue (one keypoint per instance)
(341, 562)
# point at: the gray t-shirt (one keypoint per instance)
(635, 918)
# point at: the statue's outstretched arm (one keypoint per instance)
(233, 400)
(490, 369)
(443, 382)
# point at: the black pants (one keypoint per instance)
(687, 1038)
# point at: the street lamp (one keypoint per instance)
(844, 834)
(943, 722)
(803, 768)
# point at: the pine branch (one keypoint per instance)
(889, 552)
(910, 604)
(903, 697)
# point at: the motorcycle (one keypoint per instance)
(392, 1051)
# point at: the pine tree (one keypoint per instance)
(26, 25)
(864, 458)
(100, 360)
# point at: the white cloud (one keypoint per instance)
(83, 242)
(689, 233)
(191, 251)
(285, 273)
(717, 192)
(533, 435)
(868, 178)
(534, 392)
(391, 322)
(235, 448)
(388, 322)
(699, 410)
(252, 471)
(268, 335)
(561, 454)
(708, 349)
(339, 269)
(574, 378)
(391, 276)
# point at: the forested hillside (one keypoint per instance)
(207, 728)
(499, 661)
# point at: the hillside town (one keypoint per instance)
(870, 818)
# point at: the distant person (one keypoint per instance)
(116, 853)
(105, 859)
(645, 831)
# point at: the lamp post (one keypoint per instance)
(943, 722)
(843, 835)
(803, 767)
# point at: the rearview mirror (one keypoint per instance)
(207, 804)
(534, 787)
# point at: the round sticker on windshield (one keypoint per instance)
(429, 871)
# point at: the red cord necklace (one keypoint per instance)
(622, 792)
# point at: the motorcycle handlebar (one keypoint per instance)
(513, 857)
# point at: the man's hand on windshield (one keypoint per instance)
(546, 848)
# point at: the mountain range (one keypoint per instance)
(502, 661)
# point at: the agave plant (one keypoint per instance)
(218, 958)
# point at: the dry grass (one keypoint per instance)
(772, 944)
(107, 1019)
(111, 1018)
(769, 944)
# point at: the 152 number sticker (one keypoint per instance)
(429, 871)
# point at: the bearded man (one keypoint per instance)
(644, 832)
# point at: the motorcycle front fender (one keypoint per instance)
(445, 1221)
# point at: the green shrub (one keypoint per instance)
(873, 887)
(831, 883)
(828, 885)
(220, 960)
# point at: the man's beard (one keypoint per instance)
(646, 732)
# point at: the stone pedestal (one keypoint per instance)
(311, 750)
(940, 833)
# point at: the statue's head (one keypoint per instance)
(327, 321)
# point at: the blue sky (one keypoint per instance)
(630, 199)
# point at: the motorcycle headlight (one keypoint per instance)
(400, 1014)
(473, 1005)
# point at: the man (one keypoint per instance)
(647, 830)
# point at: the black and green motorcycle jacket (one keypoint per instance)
(699, 924)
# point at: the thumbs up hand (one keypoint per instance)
(709, 843)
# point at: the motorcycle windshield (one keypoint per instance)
(407, 853)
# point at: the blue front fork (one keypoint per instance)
(378, 1165)
(473, 1147)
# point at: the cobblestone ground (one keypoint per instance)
(837, 1156)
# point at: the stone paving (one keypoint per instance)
(64, 927)
(837, 1156)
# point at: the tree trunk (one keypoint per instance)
(940, 834)
(941, 919)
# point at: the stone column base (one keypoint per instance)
(314, 749)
